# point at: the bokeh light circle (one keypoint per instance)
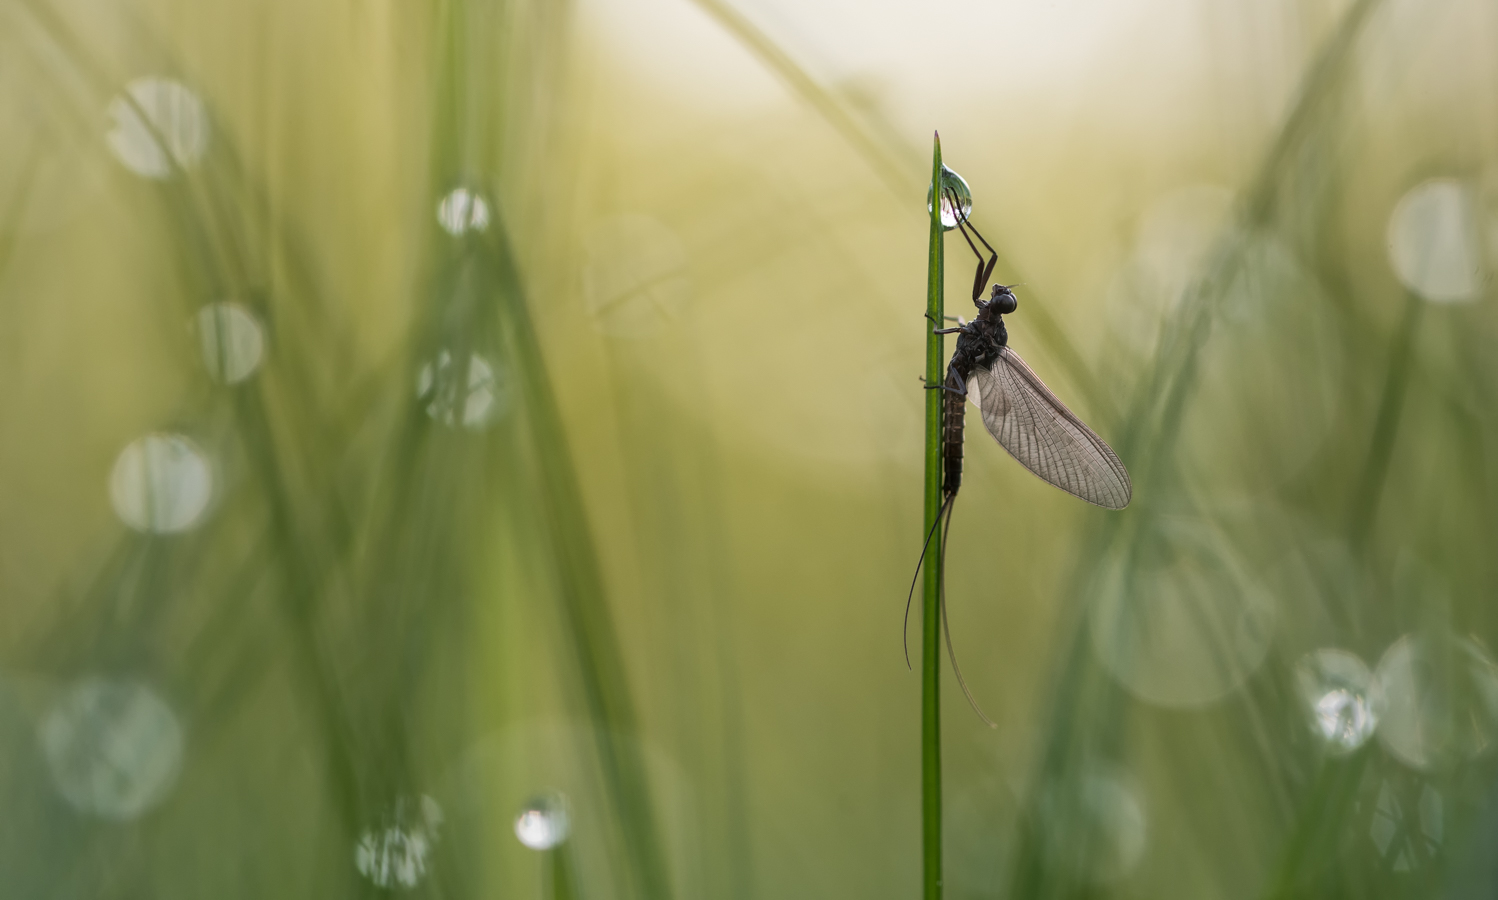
(472, 396)
(1433, 241)
(396, 852)
(543, 822)
(114, 748)
(461, 211)
(1181, 623)
(161, 483)
(156, 126)
(1341, 696)
(1441, 700)
(232, 341)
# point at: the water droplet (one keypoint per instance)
(152, 112)
(1343, 700)
(543, 822)
(1093, 825)
(474, 399)
(1440, 700)
(635, 277)
(1433, 241)
(952, 183)
(461, 211)
(232, 341)
(161, 483)
(1180, 624)
(397, 851)
(114, 748)
(1407, 837)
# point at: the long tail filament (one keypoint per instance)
(944, 519)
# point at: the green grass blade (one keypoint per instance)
(931, 587)
(584, 610)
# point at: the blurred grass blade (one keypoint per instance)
(584, 608)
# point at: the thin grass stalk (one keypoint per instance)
(305, 570)
(893, 166)
(1333, 792)
(586, 618)
(1385, 427)
(1315, 831)
(557, 873)
(930, 607)
(679, 464)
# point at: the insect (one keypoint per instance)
(1018, 410)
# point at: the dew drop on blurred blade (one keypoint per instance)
(1342, 697)
(543, 822)
(1181, 623)
(462, 211)
(1440, 700)
(161, 483)
(1093, 825)
(113, 747)
(396, 852)
(154, 112)
(1433, 241)
(956, 184)
(232, 341)
(473, 396)
(1407, 831)
(634, 276)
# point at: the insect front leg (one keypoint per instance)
(947, 386)
(962, 326)
(984, 271)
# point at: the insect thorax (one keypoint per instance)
(979, 342)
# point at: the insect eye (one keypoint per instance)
(1008, 303)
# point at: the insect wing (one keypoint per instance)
(1047, 438)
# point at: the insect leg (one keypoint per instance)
(978, 279)
(988, 269)
(945, 387)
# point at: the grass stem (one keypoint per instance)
(585, 613)
(930, 588)
(1385, 426)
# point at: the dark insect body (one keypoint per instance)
(978, 345)
(1018, 410)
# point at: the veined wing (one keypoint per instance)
(1046, 437)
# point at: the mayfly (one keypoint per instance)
(1018, 410)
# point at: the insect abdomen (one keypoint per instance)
(952, 411)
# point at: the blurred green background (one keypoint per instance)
(473, 449)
